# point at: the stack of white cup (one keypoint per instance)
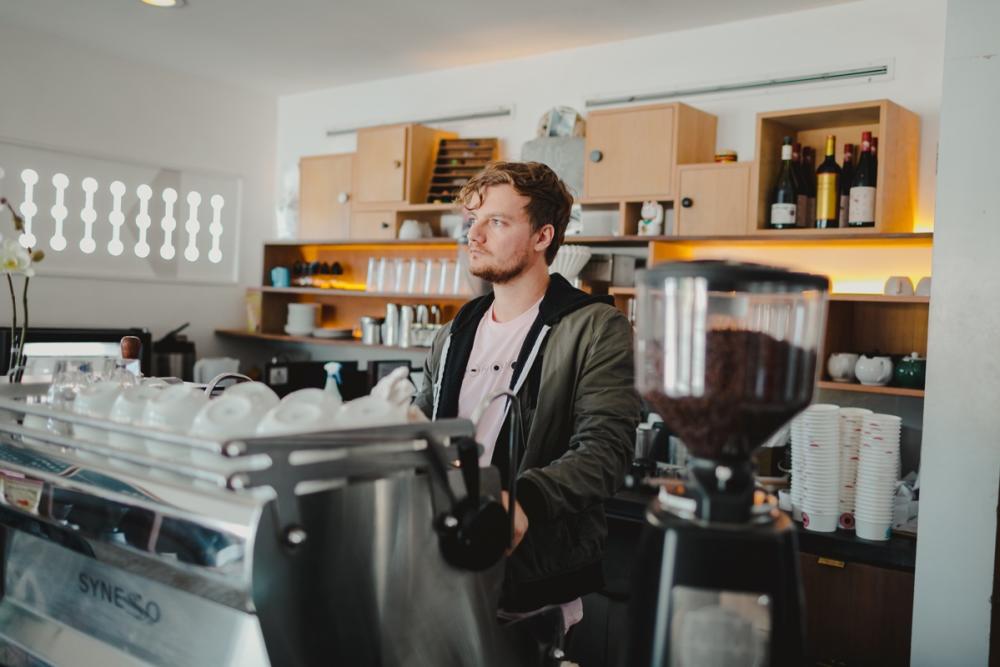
(850, 445)
(822, 429)
(800, 441)
(878, 471)
(302, 319)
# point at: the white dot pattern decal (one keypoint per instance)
(168, 224)
(64, 230)
(28, 208)
(59, 212)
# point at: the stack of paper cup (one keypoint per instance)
(822, 429)
(850, 444)
(878, 470)
(800, 441)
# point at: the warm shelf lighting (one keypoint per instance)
(164, 4)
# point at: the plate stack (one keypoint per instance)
(850, 445)
(878, 470)
(821, 423)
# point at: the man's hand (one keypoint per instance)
(520, 522)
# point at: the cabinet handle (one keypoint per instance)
(343, 197)
(687, 202)
(596, 156)
(385, 225)
(397, 163)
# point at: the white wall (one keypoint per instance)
(910, 32)
(961, 451)
(60, 96)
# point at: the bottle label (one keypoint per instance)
(827, 196)
(786, 152)
(861, 209)
(783, 215)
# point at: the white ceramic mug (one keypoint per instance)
(262, 396)
(873, 371)
(840, 366)
(96, 401)
(172, 410)
(898, 286)
(924, 286)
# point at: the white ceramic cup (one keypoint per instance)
(172, 410)
(410, 230)
(323, 399)
(899, 286)
(294, 418)
(96, 401)
(924, 286)
(262, 396)
(224, 418)
(820, 522)
(127, 409)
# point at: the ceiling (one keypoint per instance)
(288, 46)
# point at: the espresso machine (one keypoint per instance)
(726, 354)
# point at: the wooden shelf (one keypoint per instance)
(444, 208)
(879, 298)
(592, 201)
(442, 241)
(320, 291)
(309, 340)
(865, 389)
(621, 291)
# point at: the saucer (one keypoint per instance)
(333, 333)
(295, 331)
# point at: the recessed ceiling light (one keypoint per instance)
(165, 4)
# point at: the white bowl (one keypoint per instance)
(294, 418)
(96, 401)
(262, 396)
(172, 410)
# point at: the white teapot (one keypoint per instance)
(873, 371)
(841, 365)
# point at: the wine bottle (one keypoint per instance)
(828, 187)
(875, 161)
(801, 199)
(809, 180)
(846, 179)
(783, 202)
(861, 211)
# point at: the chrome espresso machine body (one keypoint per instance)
(297, 550)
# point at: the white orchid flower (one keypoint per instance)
(15, 259)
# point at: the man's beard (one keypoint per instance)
(498, 275)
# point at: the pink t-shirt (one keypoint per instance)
(490, 368)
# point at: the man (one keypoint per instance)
(568, 358)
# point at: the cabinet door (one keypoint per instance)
(380, 165)
(371, 225)
(323, 181)
(713, 200)
(856, 614)
(630, 153)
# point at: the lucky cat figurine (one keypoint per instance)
(651, 220)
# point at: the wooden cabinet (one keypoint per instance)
(325, 183)
(714, 199)
(394, 163)
(856, 614)
(372, 225)
(633, 152)
(898, 133)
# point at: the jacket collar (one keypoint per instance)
(560, 299)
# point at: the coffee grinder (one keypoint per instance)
(726, 354)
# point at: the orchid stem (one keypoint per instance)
(13, 322)
(24, 326)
